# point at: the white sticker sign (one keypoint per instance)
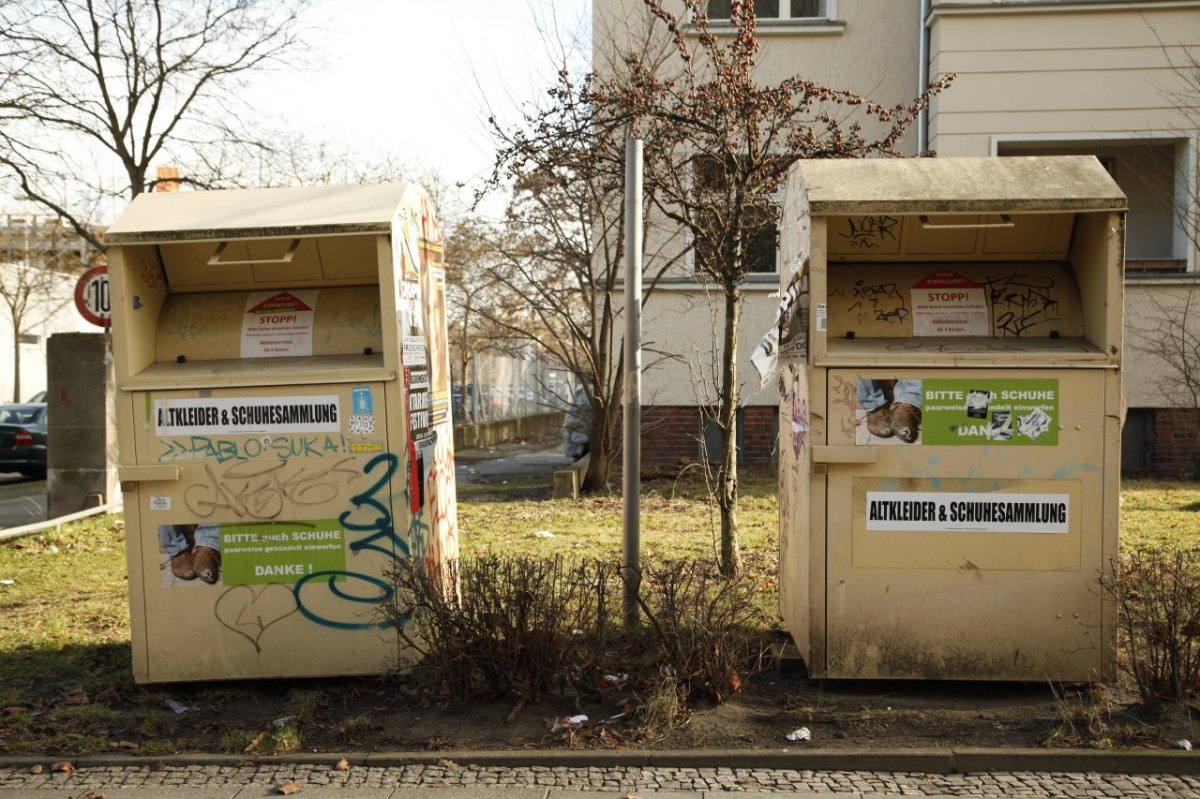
(917, 511)
(946, 303)
(243, 415)
(278, 323)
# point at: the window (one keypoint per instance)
(775, 9)
(761, 251)
(762, 235)
(1152, 173)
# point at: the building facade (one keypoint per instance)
(1110, 78)
(39, 262)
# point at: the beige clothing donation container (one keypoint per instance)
(284, 424)
(949, 356)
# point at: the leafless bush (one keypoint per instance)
(517, 626)
(1158, 600)
(709, 629)
(503, 626)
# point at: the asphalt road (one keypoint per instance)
(22, 500)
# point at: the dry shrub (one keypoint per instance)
(514, 626)
(709, 629)
(1157, 593)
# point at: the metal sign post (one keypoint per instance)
(633, 379)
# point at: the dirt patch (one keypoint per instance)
(369, 715)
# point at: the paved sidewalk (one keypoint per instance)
(522, 462)
(452, 781)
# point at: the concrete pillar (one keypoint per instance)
(82, 432)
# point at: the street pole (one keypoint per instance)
(632, 445)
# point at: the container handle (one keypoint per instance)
(1005, 221)
(286, 258)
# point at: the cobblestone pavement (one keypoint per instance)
(533, 782)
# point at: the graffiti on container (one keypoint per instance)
(441, 502)
(1021, 302)
(251, 610)
(868, 232)
(370, 528)
(263, 490)
(893, 316)
(881, 302)
(152, 276)
(370, 325)
(240, 448)
(844, 393)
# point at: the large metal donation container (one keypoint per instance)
(949, 356)
(284, 424)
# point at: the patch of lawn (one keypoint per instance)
(676, 521)
(1159, 514)
(65, 675)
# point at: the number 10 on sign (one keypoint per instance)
(91, 296)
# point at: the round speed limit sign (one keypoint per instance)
(91, 296)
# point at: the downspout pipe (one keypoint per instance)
(922, 76)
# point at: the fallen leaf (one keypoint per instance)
(631, 796)
(36, 768)
(76, 697)
(287, 788)
(342, 765)
(257, 742)
(92, 795)
(128, 746)
(14, 709)
(65, 766)
(447, 763)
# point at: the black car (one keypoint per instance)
(23, 439)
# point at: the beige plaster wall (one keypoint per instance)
(681, 337)
(1090, 70)
(1155, 310)
(870, 48)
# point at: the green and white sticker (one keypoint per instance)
(281, 552)
(1001, 412)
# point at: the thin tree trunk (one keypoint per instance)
(727, 486)
(16, 363)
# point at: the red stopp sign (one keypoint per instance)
(91, 296)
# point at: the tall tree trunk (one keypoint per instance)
(600, 450)
(727, 485)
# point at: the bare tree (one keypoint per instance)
(717, 146)
(96, 91)
(558, 254)
(38, 261)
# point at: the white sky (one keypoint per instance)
(412, 77)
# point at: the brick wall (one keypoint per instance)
(759, 423)
(1176, 442)
(671, 434)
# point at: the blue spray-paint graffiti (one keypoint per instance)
(372, 516)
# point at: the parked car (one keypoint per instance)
(38, 397)
(23, 439)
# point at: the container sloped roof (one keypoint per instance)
(257, 213)
(958, 185)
